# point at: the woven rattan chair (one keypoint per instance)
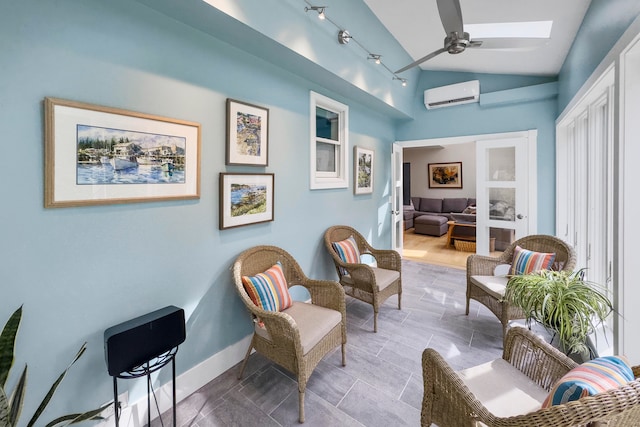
(463, 399)
(372, 285)
(488, 289)
(300, 336)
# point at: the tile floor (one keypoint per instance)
(382, 382)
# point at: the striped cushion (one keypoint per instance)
(525, 261)
(269, 290)
(592, 377)
(348, 252)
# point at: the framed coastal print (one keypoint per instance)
(445, 175)
(98, 155)
(245, 199)
(363, 170)
(247, 134)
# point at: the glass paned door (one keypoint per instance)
(502, 204)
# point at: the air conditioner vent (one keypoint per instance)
(456, 94)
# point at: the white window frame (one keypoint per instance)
(340, 178)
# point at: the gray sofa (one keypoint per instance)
(440, 207)
(453, 210)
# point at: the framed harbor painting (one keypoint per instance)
(247, 134)
(363, 171)
(245, 199)
(98, 155)
(445, 175)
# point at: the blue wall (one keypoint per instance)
(603, 24)
(79, 271)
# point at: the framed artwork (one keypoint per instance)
(445, 175)
(247, 134)
(100, 155)
(245, 199)
(363, 170)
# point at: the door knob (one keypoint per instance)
(519, 216)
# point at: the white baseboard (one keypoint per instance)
(135, 414)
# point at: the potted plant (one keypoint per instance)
(11, 403)
(565, 304)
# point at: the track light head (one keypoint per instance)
(319, 9)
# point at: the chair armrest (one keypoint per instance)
(532, 356)
(326, 293)
(447, 400)
(480, 265)
(386, 258)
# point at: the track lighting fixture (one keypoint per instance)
(402, 80)
(375, 58)
(344, 38)
(319, 9)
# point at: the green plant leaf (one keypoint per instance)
(4, 409)
(562, 302)
(53, 388)
(16, 399)
(66, 420)
(7, 343)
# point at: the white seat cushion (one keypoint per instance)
(314, 323)
(384, 277)
(493, 285)
(502, 389)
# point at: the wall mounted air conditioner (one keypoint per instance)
(448, 96)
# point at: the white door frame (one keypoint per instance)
(397, 214)
(532, 150)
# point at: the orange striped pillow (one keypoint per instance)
(269, 290)
(525, 261)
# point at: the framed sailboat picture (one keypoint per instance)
(98, 155)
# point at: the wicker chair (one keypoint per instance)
(449, 398)
(488, 289)
(300, 336)
(372, 285)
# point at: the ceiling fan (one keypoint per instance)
(457, 40)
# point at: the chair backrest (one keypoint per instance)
(342, 232)
(565, 254)
(260, 258)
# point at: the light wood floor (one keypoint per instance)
(433, 250)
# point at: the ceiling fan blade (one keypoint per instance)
(421, 60)
(508, 43)
(451, 16)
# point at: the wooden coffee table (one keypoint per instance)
(450, 232)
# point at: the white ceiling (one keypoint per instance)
(416, 26)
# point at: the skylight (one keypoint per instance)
(532, 29)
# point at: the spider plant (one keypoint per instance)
(11, 403)
(562, 302)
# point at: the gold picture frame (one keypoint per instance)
(96, 155)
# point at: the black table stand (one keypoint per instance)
(146, 369)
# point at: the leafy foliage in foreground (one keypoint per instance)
(11, 403)
(562, 302)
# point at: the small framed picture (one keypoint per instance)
(363, 171)
(247, 134)
(445, 175)
(245, 199)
